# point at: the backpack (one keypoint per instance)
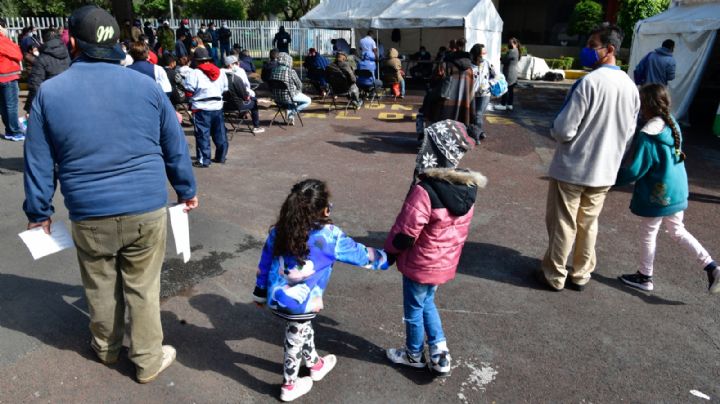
(498, 85)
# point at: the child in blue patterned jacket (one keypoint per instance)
(294, 270)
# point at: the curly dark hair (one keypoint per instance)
(301, 213)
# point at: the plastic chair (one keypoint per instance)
(282, 107)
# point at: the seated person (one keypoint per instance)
(315, 64)
(353, 58)
(342, 69)
(269, 65)
(285, 73)
(340, 45)
(177, 95)
(246, 61)
(368, 63)
(239, 95)
(393, 63)
(423, 69)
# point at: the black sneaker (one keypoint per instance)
(713, 273)
(401, 356)
(637, 281)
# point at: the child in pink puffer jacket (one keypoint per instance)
(428, 237)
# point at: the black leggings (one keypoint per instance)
(509, 96)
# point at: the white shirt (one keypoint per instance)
(594, 127)
(162, 79)
(207, 95)
(367, 44)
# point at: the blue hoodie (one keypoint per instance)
(657, 67)
(115, 139)
(661, 183)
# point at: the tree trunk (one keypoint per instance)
(122, 10)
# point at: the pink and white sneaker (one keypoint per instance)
(290, 392)
(323, 367)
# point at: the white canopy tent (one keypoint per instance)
(694, 30)
(431, 23)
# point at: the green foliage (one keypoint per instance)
(216, 9)
(285, 9)
(563, 62)
(586, 16)
(632, 11)
(9, 8)
(153, 8)
(33, 8)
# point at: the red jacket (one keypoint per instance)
(433, 224)
(10, 57)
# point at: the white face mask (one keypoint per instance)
(235, 68)
(36, 53)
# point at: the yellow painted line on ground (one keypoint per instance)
(400, 107)
(390, 116)
(374, 107)
(314, 115)
(345, 115)
(496, 120)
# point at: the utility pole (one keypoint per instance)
(172, 12)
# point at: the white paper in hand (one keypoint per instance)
(41, 244)
(181, 230)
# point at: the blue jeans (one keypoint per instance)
(402, 87)
(209, 123)
(9, 107)
(302, 101)
(224, 51)
(421, 316)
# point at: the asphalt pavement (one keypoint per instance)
(511, 340)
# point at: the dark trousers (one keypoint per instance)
(9, 93)
(253, 108)
(509, 96)
(207, 124)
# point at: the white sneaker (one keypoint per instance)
(329, 362)
(509, 107)
(400, 356)
(291, 120)
(258, 130)
(169, 354)
(714, 280)
(499, 108)
(301, 387)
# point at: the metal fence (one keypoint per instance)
(255, 36)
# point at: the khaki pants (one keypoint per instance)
(120, 261)
(571, 218)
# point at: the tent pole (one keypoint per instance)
(377, 55)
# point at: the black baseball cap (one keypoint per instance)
(96, 33)
(201, 54)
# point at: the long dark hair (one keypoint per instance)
(655, 101)
(476, 53)
(301, 213)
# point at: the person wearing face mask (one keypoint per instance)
(28, 39)
(483, 71)
(52, 60)
(593, 129)
(10, 57)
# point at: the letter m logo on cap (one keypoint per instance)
(104, 33)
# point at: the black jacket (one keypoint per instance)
(236, 95)
(53, 60)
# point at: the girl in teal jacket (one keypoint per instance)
(661, 188)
